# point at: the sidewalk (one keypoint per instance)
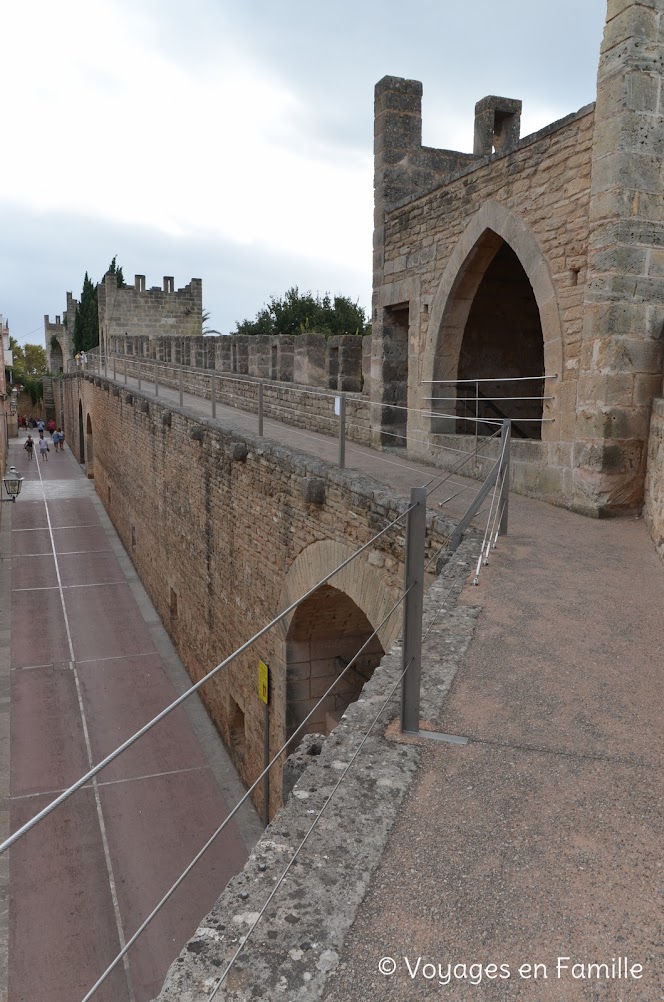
(543, 837)
(90, 664)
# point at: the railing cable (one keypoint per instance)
(194, 688)
(130, 942)
(306, 836)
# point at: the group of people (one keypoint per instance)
(57, 438)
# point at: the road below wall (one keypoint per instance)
(90, 664)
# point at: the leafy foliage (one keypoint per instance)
(86, 327)
(208, 330)
(29, 360)
(29, 367)
(114, 270)
(304, 313)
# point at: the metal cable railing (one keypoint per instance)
(146, 922)
(194, 688)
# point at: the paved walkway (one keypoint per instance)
(544, 836)
(90, 663)
(540, 838)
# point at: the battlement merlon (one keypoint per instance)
(402, 166)
(497, 125)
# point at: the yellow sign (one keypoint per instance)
(263, 681)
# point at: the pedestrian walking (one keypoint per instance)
(55, 438)
(61, 440)
(84, 359)
(29, 446)
(43, 449)
(40, 426)
(51, 426)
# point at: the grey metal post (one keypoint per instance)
(477, 413)
(260, 408)
(140, 366)
(181, 386)
(105, 365)
(156, 379)
(114, 368)
(213, 394)
(125, 369)
(342, 431)
(412, 611)
(506, 439)
(266, 762)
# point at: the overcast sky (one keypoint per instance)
(232, 141)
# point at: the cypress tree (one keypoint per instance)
(86, 327)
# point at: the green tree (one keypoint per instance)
(29, 366)
(207, 330)
(29, 360)
(114, 270)
(301, 313)
(86, 327)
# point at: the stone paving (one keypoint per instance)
(540, 838)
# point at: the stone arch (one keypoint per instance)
(488, 231)
(56, 356)
(89, 448)
(321, 636)
(81, 434)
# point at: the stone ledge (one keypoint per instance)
(298, 942)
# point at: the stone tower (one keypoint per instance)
(621, 359)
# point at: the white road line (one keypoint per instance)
(88, 748)
(90, 661)
(111, 782)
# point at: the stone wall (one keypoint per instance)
(654, 502)
(159, 310)
(226, 531)
(580, 206)
(292, 404)
(331, 363)
(436, 248)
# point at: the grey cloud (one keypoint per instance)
(49, 254)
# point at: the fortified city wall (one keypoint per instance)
(538, 257)
(225, 531)
(137, 310)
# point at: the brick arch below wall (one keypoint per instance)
(490, 228)
(89, 448)
(317, 640)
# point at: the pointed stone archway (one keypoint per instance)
(496, 245)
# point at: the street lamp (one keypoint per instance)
(13, 484)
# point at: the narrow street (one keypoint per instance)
(90, 664)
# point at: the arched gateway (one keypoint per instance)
(495, 317)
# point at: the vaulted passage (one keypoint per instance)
(503, 338)
(56, 357)
(326, 632)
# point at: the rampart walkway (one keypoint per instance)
(540, 838)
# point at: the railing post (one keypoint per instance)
(181, 385)
(342, 431)
(506, 440)
(105, 365)
(114, 368)
(125, 369)
(140, 366)
(412, 610)
(213, 394)
(156, 379)
(477, 414)
(260, 408)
